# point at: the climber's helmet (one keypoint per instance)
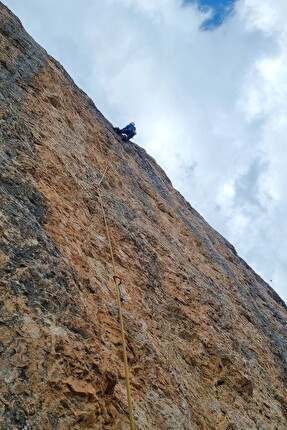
(132, 123)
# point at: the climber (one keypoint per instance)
(127, 132)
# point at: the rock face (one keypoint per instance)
(206, 336)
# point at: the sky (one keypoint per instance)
(205, 81)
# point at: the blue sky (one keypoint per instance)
(210, 106)
(219, 11)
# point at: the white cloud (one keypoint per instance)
(209, 106)
(259, 15)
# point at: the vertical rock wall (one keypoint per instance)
(206, 336)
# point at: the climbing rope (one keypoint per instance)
(117, 283)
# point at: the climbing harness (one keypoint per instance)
(117, 280)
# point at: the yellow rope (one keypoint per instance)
(117, 282)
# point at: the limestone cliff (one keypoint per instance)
(206, 336)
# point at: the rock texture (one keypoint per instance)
(206, 336)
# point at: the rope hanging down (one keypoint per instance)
(117, 282)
